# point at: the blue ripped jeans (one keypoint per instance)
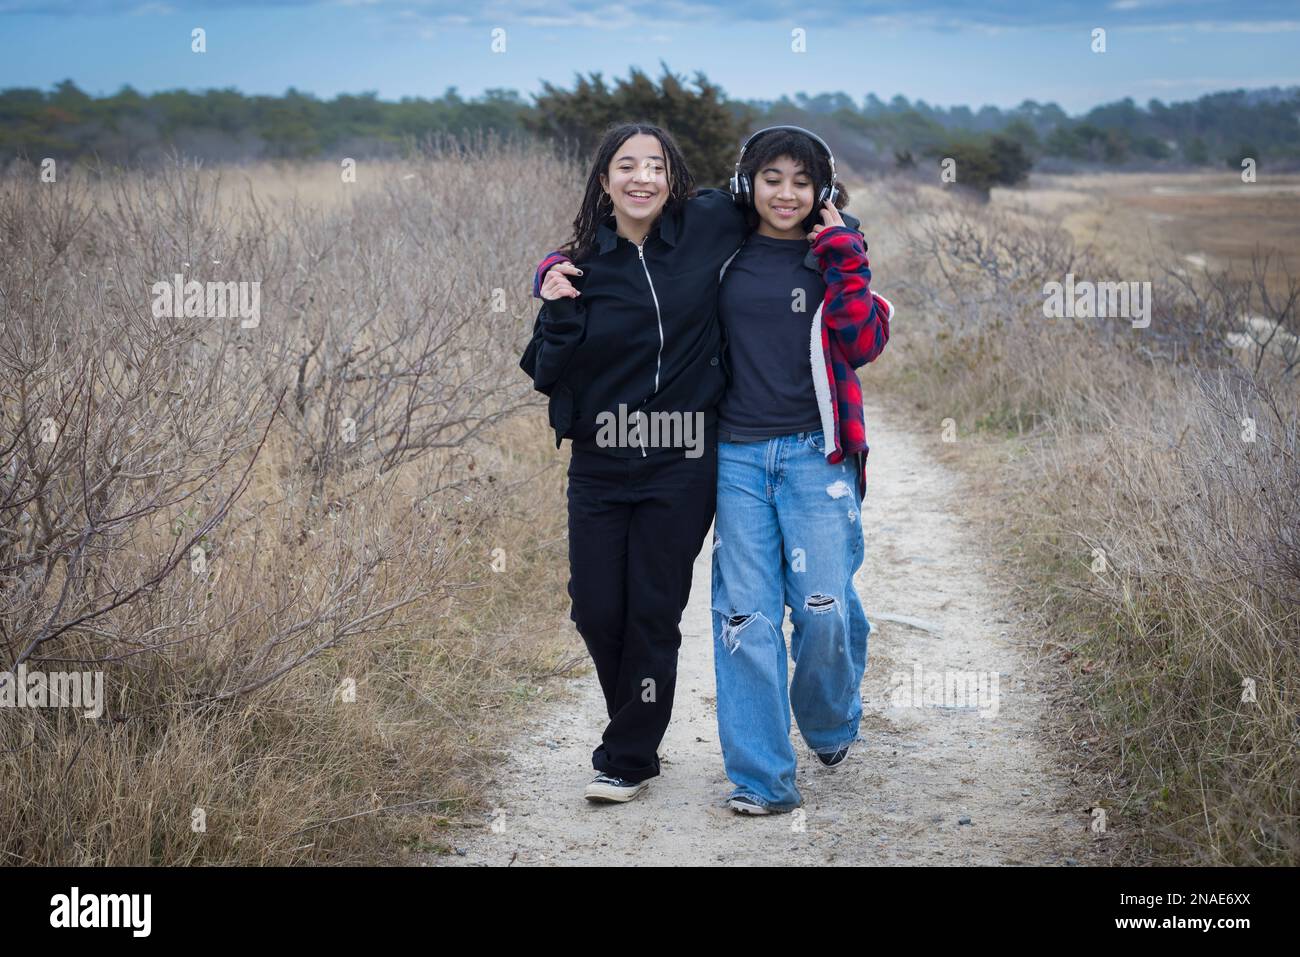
(788, 531)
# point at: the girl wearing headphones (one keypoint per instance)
(791, 470)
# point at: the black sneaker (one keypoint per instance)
(744, 804)
(837, 757)
(606, 787)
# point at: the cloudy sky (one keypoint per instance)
(971, 52)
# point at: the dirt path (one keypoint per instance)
(909, 783)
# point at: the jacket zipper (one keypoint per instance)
(659, 320)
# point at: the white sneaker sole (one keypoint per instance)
(609, 793)
(742, 808)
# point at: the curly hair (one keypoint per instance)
(798, 147)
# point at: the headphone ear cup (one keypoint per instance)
(746, 191)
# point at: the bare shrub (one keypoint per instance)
(1146, 497)
(304, 552)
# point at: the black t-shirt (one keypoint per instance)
(766, 303)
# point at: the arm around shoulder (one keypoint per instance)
(716, 211)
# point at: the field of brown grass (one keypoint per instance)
(320, 562)
(1203, 219)
(1141, 487)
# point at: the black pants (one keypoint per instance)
(635, 528)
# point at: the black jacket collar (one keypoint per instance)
(607, 232)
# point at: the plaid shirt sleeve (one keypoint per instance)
(550, 260)
(856, 319)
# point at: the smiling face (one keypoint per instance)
(637, 181)
(783, 198)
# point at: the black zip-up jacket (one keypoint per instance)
(645, 331)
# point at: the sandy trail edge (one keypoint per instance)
(916, 773)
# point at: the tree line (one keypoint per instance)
(129, 127)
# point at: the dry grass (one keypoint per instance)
(420, 564)
(369, 614)
(1146, 521)
(1190, 219)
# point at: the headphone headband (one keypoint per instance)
(796, 129)
(742, 188)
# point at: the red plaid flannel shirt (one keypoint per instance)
(854, 330)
